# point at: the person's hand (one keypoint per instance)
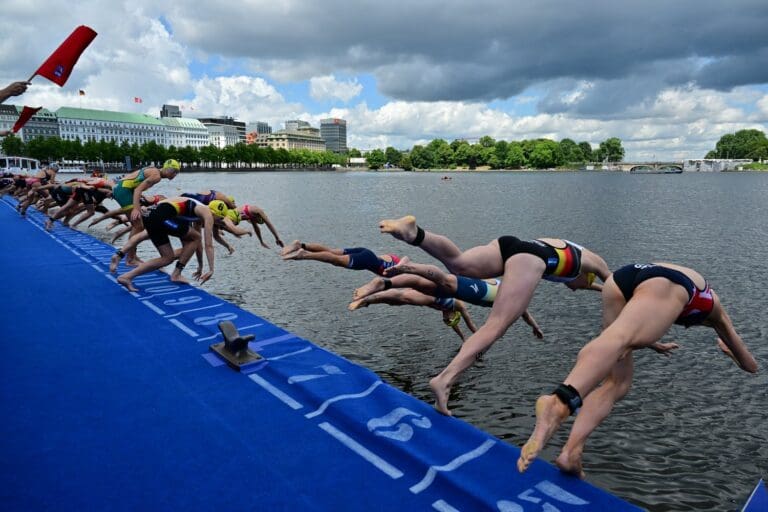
(230, 249)
(279, 242)
(206, 277)
(16, 88)
(538, 333)
(664, 348)
(135, 214)
(264, 245)
(198, 273)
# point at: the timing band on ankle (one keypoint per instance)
(569, 396)
(419, 236)
(120, 253)
(387, 284)
(180, 265)
(303, 246)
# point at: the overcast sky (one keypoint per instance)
(667, 77)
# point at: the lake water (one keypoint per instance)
(691, 435)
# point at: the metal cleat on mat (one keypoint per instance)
(234, 349)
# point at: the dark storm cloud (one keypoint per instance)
(484, 50)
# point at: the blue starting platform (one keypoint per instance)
(113, 401)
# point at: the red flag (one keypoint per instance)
(26, 113)
(59, 65)
(136, 99)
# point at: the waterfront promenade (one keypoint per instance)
(112, 401)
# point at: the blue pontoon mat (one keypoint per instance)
(111, 400)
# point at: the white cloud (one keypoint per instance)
(328, 88)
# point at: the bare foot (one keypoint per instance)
(127, 283)
(441, 392)
(295, 255)
(374, 285)
(357, 304)
(293, 246)
(135, 262)
(178, 278)
(570, 462)
(114, 262)
(403, 228)
(550, 413)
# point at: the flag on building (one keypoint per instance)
(136, 99)
(26, 114)
(59, 65)
(82, 92)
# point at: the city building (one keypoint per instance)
(170, 111)
(224, 131)
(43, 124)
(307, 138)
(259, 127)
(96, 125)
(295, 125)
(182, 132)
(334, 131)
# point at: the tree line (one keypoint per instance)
(240, 155)
(437, 154)
(538, 154)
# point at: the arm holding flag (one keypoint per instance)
(13, 89)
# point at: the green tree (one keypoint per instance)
(515, 156)
(612, 150)
(405, 162)
(443, 154)
(354, 153)
(487, 141)
(545, 154)
(742, 144)
(376, 159)
(13, 145)
(586, 150)
(571, 151)
(393, 156)
(422, 158)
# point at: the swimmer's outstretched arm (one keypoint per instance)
(220, 239)
(461, 308)
(729, 340)
(528, 318)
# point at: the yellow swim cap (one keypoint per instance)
(234, 216)
(454, 320)
(231, 200)
(172, 164)
(219, 208)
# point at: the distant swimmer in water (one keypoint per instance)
(432, 281)
(640, 303)
(172, 217)
(521, 263)
(355, 258)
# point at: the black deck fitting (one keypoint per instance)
(234, 349)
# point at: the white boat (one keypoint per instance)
(19, 165)
(71, 170)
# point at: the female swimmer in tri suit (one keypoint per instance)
(355, 258)
(521, 263)
(256, 216)
(640, 303)
(430, 281)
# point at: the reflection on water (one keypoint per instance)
(691, 434)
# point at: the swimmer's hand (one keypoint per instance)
(279, 242)
(198, 273)
(664, 348)
(264, 245)
(538, 333)
(205, 277)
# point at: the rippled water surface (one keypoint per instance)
(693, 432)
